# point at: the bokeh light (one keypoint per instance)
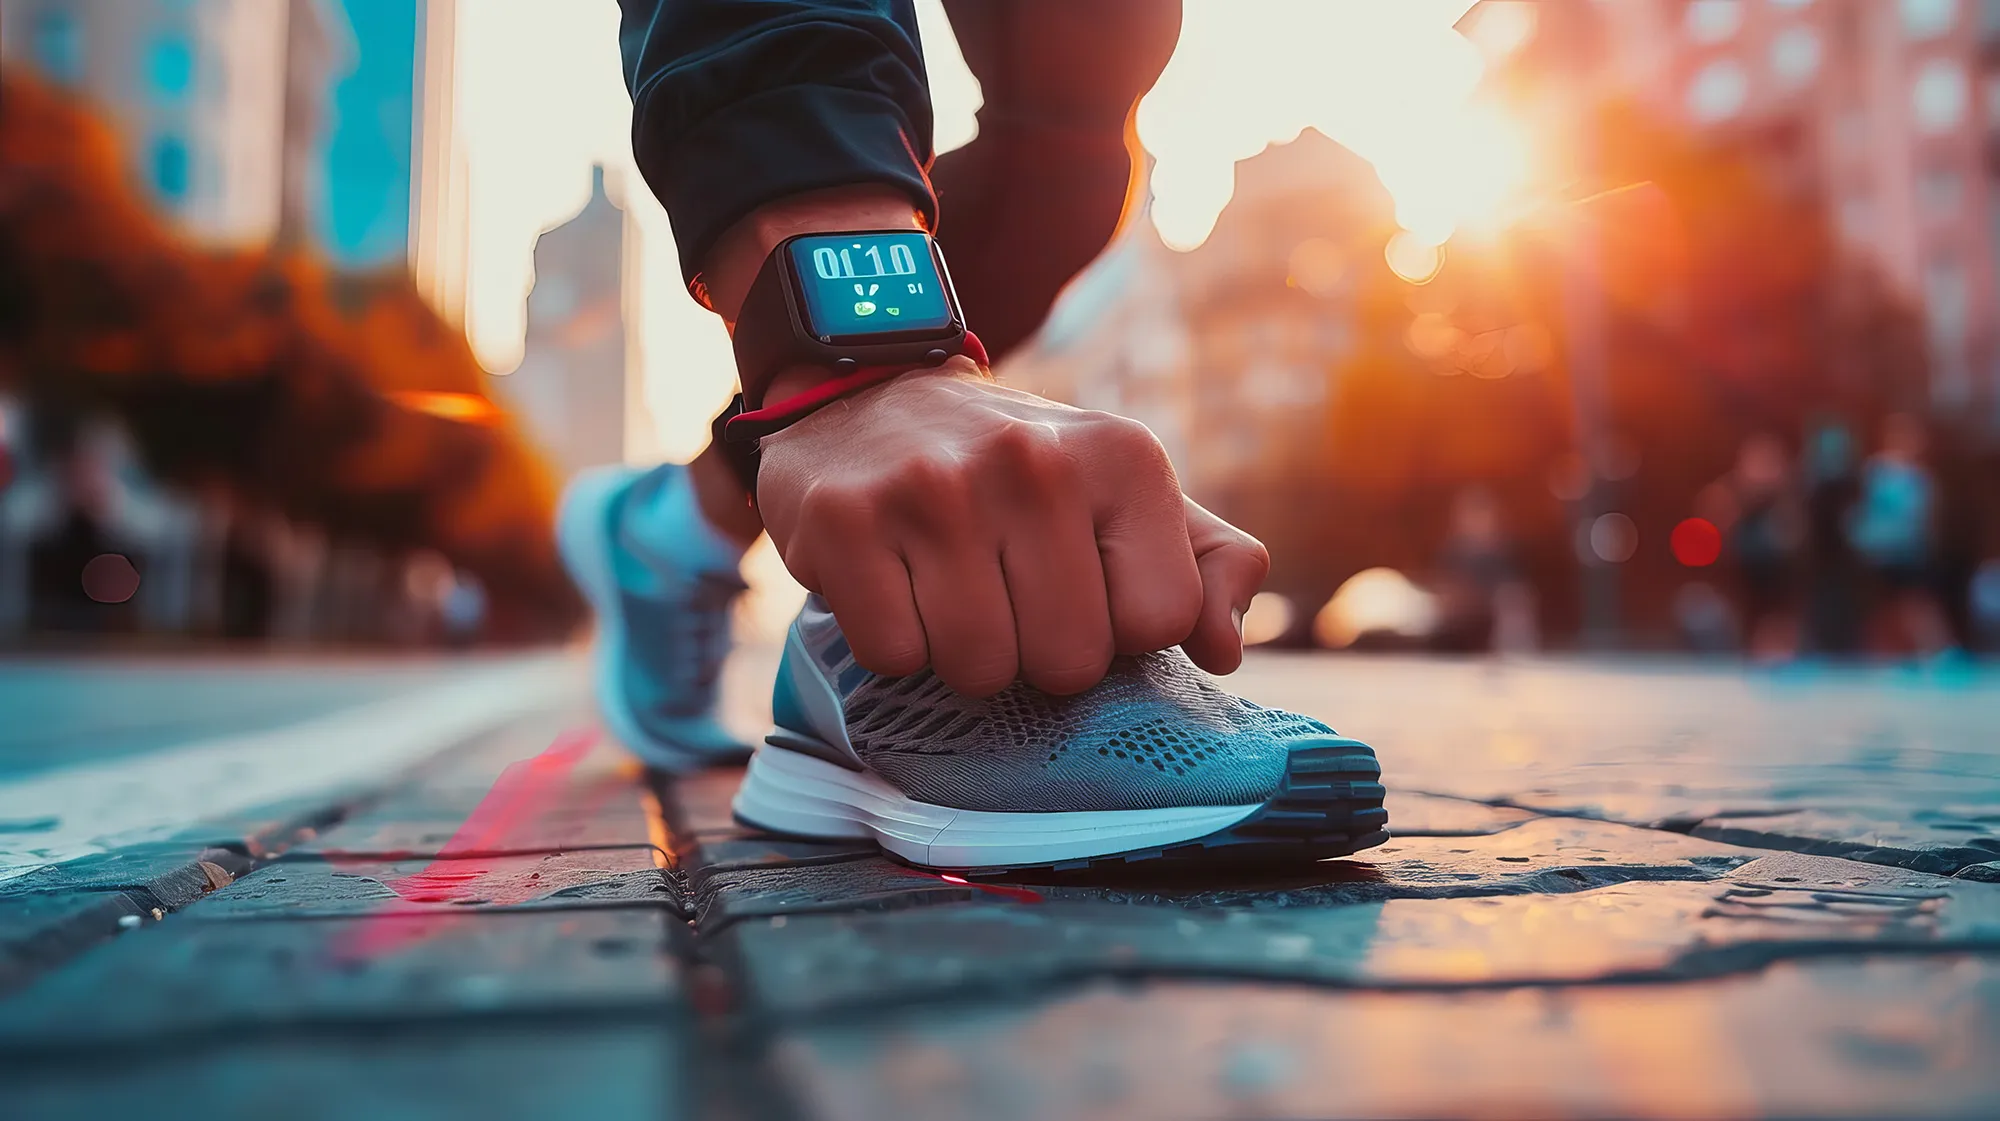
(1269, 617)
(1614, 538)
(1569, 478)
(110, 578)
(1696, 543)
(1432, 335)
(1375, 600)
(1413, 258)
(1317, 265)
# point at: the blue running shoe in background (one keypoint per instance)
(1154, 763)
(663, 628)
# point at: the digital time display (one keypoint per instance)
(870, 284)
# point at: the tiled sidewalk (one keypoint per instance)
(1587, 911)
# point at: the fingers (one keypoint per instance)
(1056, 584)
(869, 591)
(1153, 586)
(994, 535)
(1233, 566)
(968, 623)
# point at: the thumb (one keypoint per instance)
(1233, 566)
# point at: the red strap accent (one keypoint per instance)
(755, 424)
(976, 350)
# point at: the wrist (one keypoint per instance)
(801, 379)
(730, 268)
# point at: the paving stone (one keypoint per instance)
(165, 875)
(698, 804)
(1767, 910)
(753, 891)
(1919, 843)
(598, 811)
(1878, 765)
(320, 887)
(1541, 855)
(551, 782)
(1548, 850)
(1428, 815)
(1831, 1038)
(230, 980)
(706, 838)
(617, 1071)
(40, 931)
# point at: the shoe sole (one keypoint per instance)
(1329, 804)
(580, 539)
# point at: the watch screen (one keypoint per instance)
(870, 284)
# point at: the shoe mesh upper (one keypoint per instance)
(1157, 732)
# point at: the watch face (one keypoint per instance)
(859, 285)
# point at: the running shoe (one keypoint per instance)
(1154, 763)
(662, 636)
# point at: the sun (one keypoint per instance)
(1394, 82)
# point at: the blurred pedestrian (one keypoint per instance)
(1483, 603)
(1763, 540)
(68, 555)
(1893, 527)
(1706, 622)
(1833, 571)
(1983, 605)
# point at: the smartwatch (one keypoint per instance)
(865, 305)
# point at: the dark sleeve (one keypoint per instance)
(737, 103)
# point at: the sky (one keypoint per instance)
(541, 99)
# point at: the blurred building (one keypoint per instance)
(1272, 302)
(326, 123)
(1117, 341)
(197, 86)
(571, 388)
(1227, 351)
(1887, 113)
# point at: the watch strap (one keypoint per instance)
(750, 425)
(761, 332)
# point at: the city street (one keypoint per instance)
(421, 889)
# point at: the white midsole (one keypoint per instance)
(786, 791)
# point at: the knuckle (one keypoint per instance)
(1020, 440)
(1256, 558)
(1129, 436)
(934, 501)
(1027, 454)
(928, 482)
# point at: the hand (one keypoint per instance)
(991, 535)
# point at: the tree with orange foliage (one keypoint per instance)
(1726, 308)
(260, 370)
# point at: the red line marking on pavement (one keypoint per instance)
(1005, 891)
(521, 792)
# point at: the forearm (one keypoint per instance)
(742, 109)
(741, 250)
